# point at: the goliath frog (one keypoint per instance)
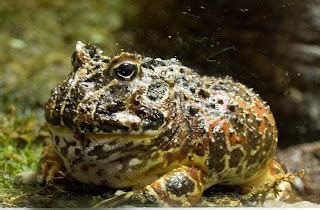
(156, 127)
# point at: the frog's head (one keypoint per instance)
(124, 94)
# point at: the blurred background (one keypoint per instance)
(272, 46)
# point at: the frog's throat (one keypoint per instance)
(133, 136)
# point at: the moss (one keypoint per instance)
(19, 150)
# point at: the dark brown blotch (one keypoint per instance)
(235, 159)
(77, 151)
(252, 159)
(71, 103)
(53, 106)
(203, 93)
(199, 149)
(156, 91)
(99, 152)
(254, 138)
(110, 125)
(180, 184)
(232, 108)
(220, 101)
(218, 150)
(215, 164)
(193, 110)
(151, 118)
(57, 140)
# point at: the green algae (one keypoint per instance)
(19, 149)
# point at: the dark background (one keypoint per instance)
(270, 45)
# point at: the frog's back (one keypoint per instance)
(231, 131)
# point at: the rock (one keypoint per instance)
(27, 177)
(300, 204)
(307, 157)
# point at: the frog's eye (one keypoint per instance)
(126, 71)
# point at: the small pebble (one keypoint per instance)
(119, 192)
(27, 177)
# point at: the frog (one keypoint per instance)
(157, 128)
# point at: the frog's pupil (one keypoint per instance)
(126, 70)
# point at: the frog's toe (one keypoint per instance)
(49, 170)
(26, 178)
(273, 184)
(49, 167)
(285, 191)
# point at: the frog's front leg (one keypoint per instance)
(49, 165)
(180, 187)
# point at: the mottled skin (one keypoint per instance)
(157, 127)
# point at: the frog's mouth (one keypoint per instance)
(143, 121)
(120, 125)
(65, 131)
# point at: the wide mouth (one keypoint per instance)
(134, 135)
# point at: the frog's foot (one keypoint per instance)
(274, 183)
(180, 187)
(49, 166)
